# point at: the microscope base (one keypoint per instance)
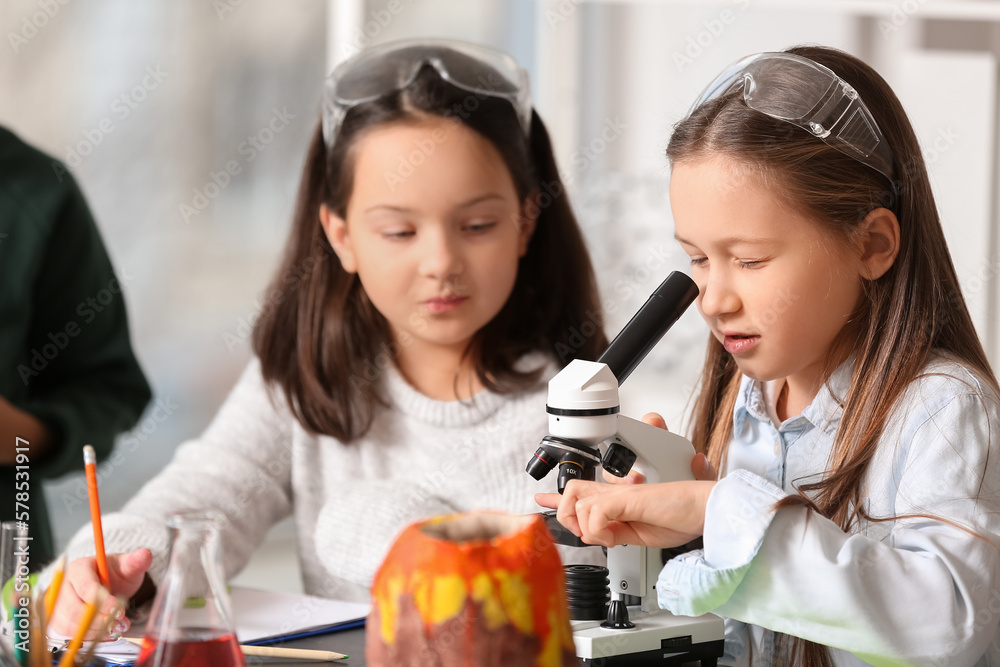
(659, 638)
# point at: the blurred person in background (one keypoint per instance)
(68, 375)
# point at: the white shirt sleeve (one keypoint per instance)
(240, 466)
(924, 594)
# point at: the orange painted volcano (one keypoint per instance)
(478, 589)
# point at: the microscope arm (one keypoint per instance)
(661, 457)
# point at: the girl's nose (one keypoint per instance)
(441, 256)
(717, 296)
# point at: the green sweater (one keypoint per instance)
(65, 355)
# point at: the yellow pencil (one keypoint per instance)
(88, 617)
(293, 653)
(279, 652)
(109, 621)
(37, 640)
(52, 592)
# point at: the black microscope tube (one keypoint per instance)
(663, 307)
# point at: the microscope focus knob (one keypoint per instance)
(618, 459)
(617, 617)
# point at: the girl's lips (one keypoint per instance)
(739, 344)
(446, 304)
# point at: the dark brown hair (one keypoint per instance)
(914, 308)
(320, 339)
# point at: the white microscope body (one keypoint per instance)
(586, 432)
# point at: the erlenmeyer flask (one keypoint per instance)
(190, 623)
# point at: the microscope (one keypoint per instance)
(587, 431)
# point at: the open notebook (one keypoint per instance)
(261, 617)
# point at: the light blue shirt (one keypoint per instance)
(910, 591)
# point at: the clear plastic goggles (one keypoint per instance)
(799, 91)
(393, 66)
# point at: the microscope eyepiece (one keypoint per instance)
(663, 307)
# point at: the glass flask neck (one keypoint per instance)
(191, 613)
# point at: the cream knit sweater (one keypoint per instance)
(256, 465)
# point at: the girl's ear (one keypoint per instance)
(879, 242)
(527, 219)
(335, 228)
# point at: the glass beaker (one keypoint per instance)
(190, 623)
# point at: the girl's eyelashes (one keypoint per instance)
(474, 228)
(397, 235)
(742, 263)
(479, 227)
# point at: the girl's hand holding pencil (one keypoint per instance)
(126, 573)
(118, 575)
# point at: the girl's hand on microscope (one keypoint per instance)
(653, 515)
(701, 468)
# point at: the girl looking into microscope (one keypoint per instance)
(430, 286)
(845, 397)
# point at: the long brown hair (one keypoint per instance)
(320, 339)
(914, 308)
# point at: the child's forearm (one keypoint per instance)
(18, 426)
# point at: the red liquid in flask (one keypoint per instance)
(190, 650)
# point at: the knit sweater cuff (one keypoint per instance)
(123, 533)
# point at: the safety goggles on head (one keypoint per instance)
(799, 91)
(390, 67)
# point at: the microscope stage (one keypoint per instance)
(658, 638)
